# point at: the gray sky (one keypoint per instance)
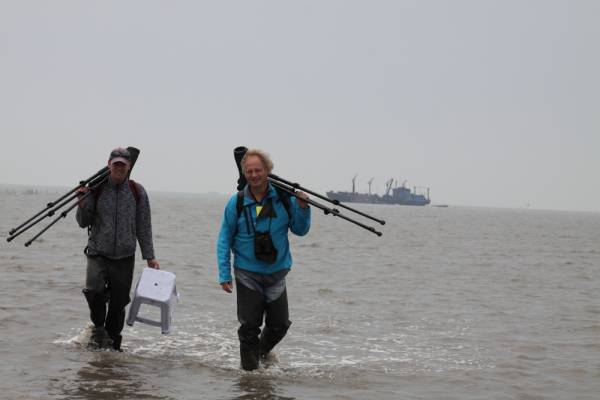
(489, 103)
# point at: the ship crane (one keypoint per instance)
(370, 182)
(388, 186)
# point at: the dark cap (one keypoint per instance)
(119, 155)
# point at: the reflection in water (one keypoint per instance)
(109, 376)
(257, 387)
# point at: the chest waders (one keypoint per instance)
(252, 307)
(108, 281)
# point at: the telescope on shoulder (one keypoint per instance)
(92, 183)
(292, 188)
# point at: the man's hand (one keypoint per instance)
(301, 196)
(153, 263)
(80, 192)
(227, 286)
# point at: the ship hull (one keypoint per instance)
(409, 199)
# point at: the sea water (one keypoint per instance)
(450, 303)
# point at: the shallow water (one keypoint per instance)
(451, 303)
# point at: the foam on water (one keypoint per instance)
(206, 342)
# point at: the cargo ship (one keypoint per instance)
(394, 194)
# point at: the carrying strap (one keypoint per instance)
(132, 185)
(239, 206)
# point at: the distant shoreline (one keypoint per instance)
(59, 190)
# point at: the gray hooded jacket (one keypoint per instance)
(116, 220)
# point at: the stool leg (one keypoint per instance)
(165, 318)
(133, 311)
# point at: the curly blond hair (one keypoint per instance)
(264, 157)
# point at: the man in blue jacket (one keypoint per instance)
(255, 228)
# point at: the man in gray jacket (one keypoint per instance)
(118, 214)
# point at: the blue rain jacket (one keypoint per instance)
(235, 236)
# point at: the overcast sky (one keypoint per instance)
(489, 103)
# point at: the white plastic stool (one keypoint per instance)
(157, 288)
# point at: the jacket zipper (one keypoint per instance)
(116, 219)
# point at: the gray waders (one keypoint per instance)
(108, 281)
(252, 306)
